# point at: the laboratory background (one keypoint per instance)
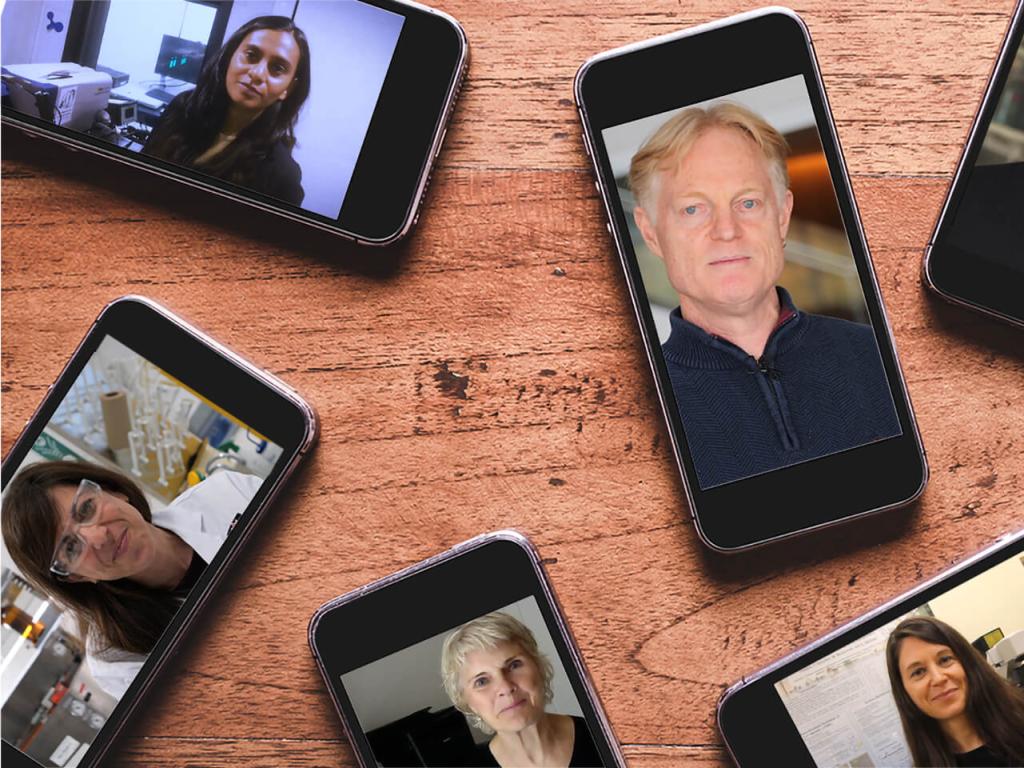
(110, 69)
(122, 413)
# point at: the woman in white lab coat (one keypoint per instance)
(86, 536)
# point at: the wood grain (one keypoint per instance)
(487, 373)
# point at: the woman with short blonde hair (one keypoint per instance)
(495, 674)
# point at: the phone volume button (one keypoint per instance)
(586, 145)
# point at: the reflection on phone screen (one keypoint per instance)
(987, 224)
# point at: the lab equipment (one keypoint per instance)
(128, 409)
(1007, 656)
(64, 93)
(179, 59)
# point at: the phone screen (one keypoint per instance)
(441, 701)
(272, 98)
(987, 224)
(883, 698)
(126, 496)
(746, 269)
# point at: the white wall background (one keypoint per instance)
(243, 10)
(133, 34)
(785, 104)
(27, 34)
(350, 49)
(992, 599)
(351, 46)
(410, 680)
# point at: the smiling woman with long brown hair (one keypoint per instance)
(955, 709)
(238, 124)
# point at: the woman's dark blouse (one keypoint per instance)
(982, 757)
(584, 751)
(196, 567)
(278, 174)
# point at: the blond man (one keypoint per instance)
(759, 384)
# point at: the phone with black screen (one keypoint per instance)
(883, 689)
(325, 112)
(130, 491)
(458, 660)
(976, 254)
(730, 206)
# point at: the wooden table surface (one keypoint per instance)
(488, 373)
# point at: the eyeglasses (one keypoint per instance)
(71, 546)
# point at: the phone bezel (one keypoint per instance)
(250, 394)
(615, 87)
(403, 140)
(750, 711)
(952, 273)
(400, 610)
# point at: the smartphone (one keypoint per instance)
(298, 108)
(442, 664)
(130, 491)
(974, 257)
(878, 690)
(731, 210)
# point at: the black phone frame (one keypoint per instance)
(252, 396)
(734, 54)
(957, 275)
(415, 604)
(750, 713)
(403, 139)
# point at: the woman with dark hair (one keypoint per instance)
(956, 710)
(238, 124)
(87, 537)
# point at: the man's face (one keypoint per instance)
(718, 223)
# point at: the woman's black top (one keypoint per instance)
(195, 569)
(982, 757)
(272, 171)
(584, 751)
